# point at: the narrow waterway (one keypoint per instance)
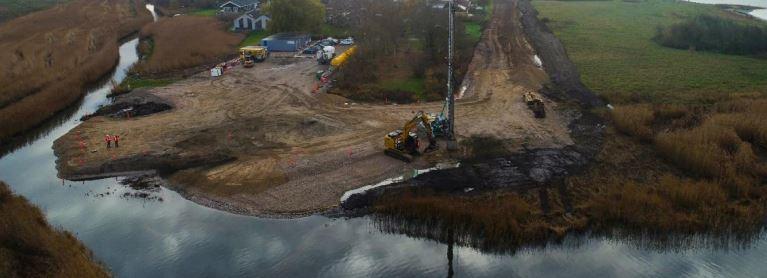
(760, 13)
(172, 237)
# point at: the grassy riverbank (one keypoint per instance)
(30, 247)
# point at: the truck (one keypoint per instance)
(535, 103)
(252, 54)
(325, 55)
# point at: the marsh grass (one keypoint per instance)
(50, 56)
(30, 247)
(177, 44)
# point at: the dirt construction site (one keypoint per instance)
(260, 141)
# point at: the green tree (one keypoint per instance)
(296, 15)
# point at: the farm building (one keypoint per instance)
(238, 6)
(253, 20)
(286, 42)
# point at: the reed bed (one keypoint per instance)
(50, 56)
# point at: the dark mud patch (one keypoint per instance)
(166, 162)
(134, 104)
(527, 169)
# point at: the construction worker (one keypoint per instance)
(117, 141)
(108, 140)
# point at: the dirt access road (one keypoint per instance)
(258, 141)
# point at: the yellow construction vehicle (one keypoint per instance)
(535, 103)
(403, 143)
(251, 54)
(341, 59)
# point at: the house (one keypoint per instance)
(286, 42)
(253, 20)
(239, 6)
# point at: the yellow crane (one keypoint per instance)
(403, 143)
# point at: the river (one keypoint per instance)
(139, 237)
(760, 13)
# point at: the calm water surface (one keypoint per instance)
(761, 13)
(177, 238)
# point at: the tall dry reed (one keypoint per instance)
(187, 41)
(49, 56)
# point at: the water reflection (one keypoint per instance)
(638, 239)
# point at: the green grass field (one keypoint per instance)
(413, 85)
(473, 30)
(135, 83)
(205, 12)
(610, 42)
(254, 38)
(15, 8)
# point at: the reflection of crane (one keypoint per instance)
(403, 143)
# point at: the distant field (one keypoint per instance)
(15, 8)
(205, 12)
(610, 42)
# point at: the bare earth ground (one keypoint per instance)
(296, 152)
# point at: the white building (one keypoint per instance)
(252, 20)
(239, 6)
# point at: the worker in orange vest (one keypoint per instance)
(108, 140)
(117, 141)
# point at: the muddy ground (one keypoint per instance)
(258, 141)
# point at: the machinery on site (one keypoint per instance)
(249, 55)
(341, 59)
(535, 103)
(403, 143)
(325, 55)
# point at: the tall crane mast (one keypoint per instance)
(451, 141)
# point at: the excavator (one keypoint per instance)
(403, 143)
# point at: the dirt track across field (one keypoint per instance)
(259, 141)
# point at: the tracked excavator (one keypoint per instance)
(403, 143)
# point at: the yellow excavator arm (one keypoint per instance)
(401, 144)
(419, 118)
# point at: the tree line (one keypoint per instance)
(413, 36)
(711, 33)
